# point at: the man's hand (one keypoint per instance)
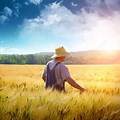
(74, 84)
(85, 90)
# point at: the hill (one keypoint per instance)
(79, 57)
(97, 56)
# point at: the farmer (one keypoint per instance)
(56, 73)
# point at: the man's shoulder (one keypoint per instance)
(62, 65)
(51, 61)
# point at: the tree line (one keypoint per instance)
(35, 59)
(92, 57)
(24, 59)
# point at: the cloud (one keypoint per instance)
(7, 12)
(51, 19)
(36, 2)
(73, 4)
(78, 31)
(58, 19)
(17, 7)
(26, 3)
(2, 50)
(54, 5)
(109, 3)
(3, 18)
(8, 50)
(104, 7)
(104, 35)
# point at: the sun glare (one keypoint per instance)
(103, 36)
(108, 46)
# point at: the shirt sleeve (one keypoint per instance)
(64, 72)
(44, 73)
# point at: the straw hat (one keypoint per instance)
(59, 52)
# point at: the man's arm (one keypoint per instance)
(44, 74)
(44, 77)
(74, 84)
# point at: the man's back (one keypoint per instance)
(57, 72)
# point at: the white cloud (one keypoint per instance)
(80, 31)
(17, 7)
(54, 5)
(26, 3)
(8, 50)
(104, 35)
(36, 2)
(3, 18)
(51, 19)
(7, 11)
(2, 50)
(73, 4)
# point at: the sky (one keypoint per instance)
(34, 26)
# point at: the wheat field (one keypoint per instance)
(23, 97)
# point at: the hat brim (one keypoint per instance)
(55, 55)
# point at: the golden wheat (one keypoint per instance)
(23, 97)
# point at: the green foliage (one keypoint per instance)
(24, 59)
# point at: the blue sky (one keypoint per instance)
(33, 26)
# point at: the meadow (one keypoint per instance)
(23, 96)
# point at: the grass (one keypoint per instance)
(23, 97)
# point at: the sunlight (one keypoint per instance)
(103, 36)
(109, 46)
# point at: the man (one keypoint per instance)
(56, 73)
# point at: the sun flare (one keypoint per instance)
(104, 35)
